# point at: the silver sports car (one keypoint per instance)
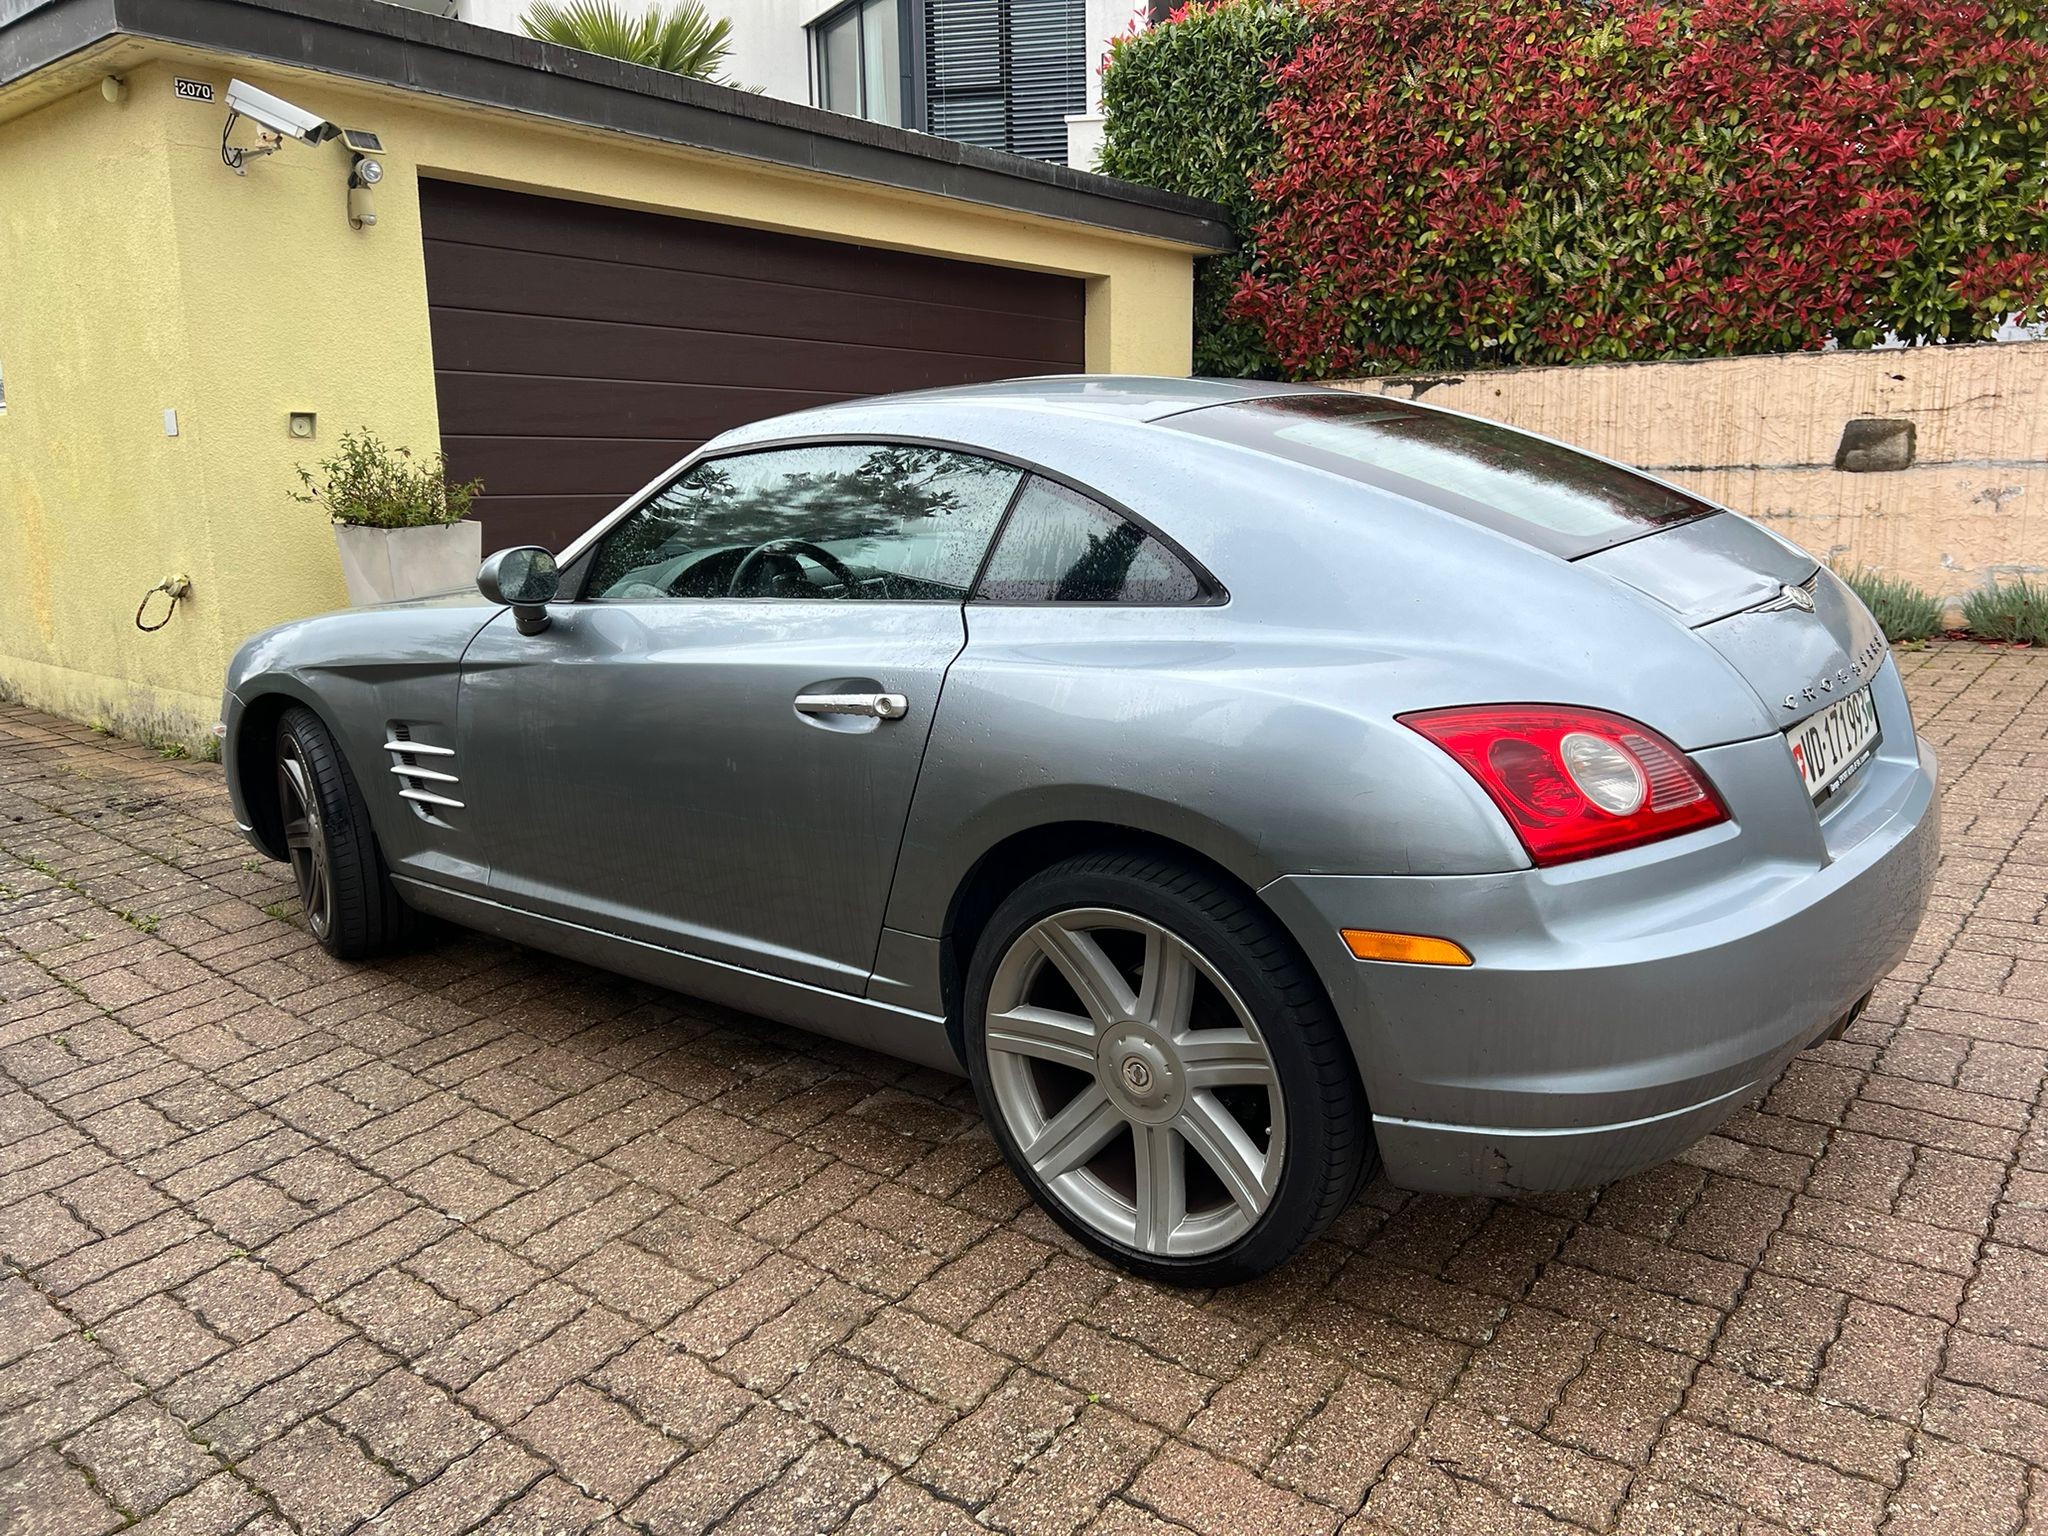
(1247, 785)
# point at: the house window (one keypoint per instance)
(858, 52)
(1005, 73)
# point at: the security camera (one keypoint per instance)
(278, 120)
(278, 115)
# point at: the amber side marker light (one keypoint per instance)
(1410, 948)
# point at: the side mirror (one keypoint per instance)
(526, 580)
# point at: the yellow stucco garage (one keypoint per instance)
(162, 318)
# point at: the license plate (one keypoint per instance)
(1833, 744)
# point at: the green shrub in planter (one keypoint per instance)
(2015, 611)
(1185, 104)
(367, 485)
(1902, 610)
(400, 525)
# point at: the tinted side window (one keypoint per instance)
(836, 520)
(1060, 547)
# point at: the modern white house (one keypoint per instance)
(1017, 75)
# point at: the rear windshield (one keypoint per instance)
(1552, 497)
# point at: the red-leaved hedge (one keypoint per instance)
(1474, 182)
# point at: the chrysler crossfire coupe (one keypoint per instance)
(1249, 786)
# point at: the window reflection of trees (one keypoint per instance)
(856, 501)
(640, 539)
(1104, 568)
(1062, 547)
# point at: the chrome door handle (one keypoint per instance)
(879, 706)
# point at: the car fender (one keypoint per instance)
(360, 671)
(1277, 764)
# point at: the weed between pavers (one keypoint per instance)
(50, 872)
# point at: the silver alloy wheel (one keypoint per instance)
(304, 837)
(1135, 1082)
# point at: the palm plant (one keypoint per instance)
(684, 39)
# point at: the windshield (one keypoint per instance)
(1544, 494)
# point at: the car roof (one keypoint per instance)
(1126, 397)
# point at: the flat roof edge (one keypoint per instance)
(387, 44)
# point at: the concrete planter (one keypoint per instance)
(384, 565)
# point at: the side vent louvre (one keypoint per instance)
(430, 789)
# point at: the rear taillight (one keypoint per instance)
(1574, 782)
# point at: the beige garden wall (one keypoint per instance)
(1760, 434)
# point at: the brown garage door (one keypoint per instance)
(578, 349)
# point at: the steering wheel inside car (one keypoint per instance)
(744, 572)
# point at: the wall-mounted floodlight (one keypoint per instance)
(364, 172)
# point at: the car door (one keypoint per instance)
(714, 748)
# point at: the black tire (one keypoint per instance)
(345, 889)
(1328, 1148)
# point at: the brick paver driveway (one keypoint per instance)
(482, 1240)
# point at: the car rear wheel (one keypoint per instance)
(1161, 1070)
(345, 889)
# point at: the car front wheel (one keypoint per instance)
(1161, 1070)
(345, 889)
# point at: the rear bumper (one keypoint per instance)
(1619, 1010)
